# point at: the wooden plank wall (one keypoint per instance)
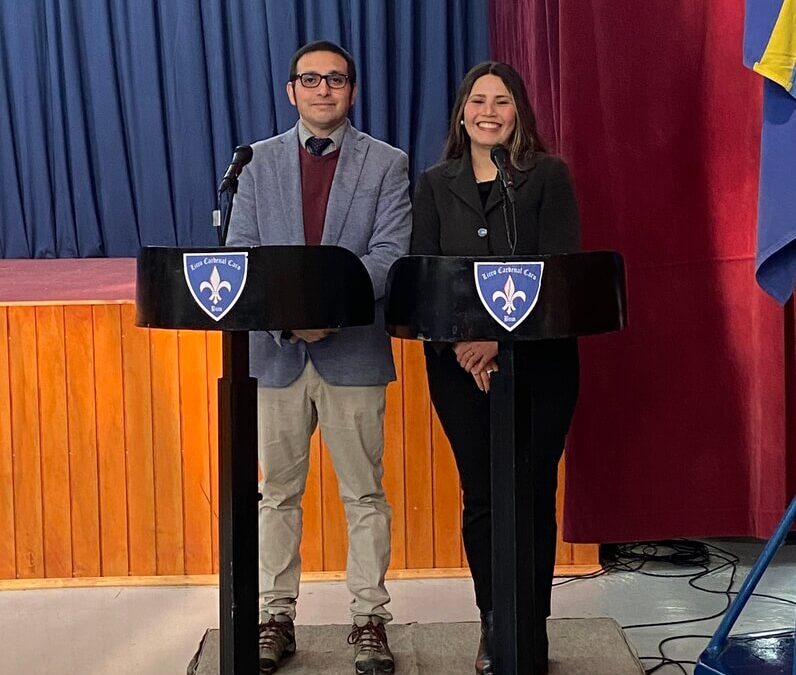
(108, 455)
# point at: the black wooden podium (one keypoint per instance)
(237, 290)
(449, 299)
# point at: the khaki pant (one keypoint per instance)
(352, 424)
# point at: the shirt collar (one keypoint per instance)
(336, 136)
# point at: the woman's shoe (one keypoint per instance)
(483, 661)
(540, 661)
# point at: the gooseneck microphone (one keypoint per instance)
(228, 187)
(500, 157)
(242, 156)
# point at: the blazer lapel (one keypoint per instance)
(346, 178)
(290, 189)
(462, 183)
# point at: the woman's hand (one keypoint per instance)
(473, 356)
(483, 377)
(478, 359)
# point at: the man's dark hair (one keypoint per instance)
(324, 46)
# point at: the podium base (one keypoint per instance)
(577, 646)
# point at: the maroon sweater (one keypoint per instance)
(317, 174)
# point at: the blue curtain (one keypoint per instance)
(118, 117)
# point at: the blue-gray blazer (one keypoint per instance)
(369, 213)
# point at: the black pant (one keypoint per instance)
(552, 368)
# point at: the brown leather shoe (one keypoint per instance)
(483, 660)
(372, 654)
(277, 642)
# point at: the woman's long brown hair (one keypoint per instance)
(524, 140)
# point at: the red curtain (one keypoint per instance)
(682, 428)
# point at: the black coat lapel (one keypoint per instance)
(462, 183)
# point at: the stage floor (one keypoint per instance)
(156, 630)
(577, 647)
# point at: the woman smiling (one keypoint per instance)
(457, 212)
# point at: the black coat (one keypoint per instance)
(447, 211)
(447, 215)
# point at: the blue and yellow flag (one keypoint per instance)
(770, 49)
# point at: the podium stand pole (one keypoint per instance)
(513, 589)
(237, 467)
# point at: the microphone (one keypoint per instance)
(242, 156)
(500, 157)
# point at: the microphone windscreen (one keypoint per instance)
(243, 155)
(498, 153)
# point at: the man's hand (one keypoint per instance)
(311, 334)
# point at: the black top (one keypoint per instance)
(448, 211)
(484, 188)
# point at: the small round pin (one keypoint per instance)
(482, 232)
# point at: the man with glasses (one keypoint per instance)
(324, 182)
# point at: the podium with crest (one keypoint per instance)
(450, 299)
(237, 290)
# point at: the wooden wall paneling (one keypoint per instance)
(110, 440)
(447, 547)
(137, 409)
(167, 451)
(563, 549)
(56, 491)
(23, 378)
(137, 388)
(585, 554)
(463, 553)
(25, 441)
(312, 506)
(214, 372)
(81, 412)
(335, 536)
(195, 452)
(394, 479)
(417, 459)
(8, 562)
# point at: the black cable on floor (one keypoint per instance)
(633, 557)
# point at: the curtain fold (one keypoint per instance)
(118, 117)
(681, 428)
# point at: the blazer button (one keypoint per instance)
(482, 232)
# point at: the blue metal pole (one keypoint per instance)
(794, 652)
(751, 581)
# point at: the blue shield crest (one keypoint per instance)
(216, 280)
(508, 290)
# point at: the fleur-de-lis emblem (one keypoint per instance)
(509, 295)
(215, 286)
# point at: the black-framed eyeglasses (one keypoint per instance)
(312, 80)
